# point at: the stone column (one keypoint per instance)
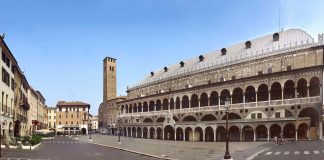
(256, 99)
(218, 102)
(269, 96)
(268, 134)
(198, 102)
(282, 95)
(244, 100)
(254, 135)
(162, 134)
(175, 135)
(148, 134)
(131, 133)
(193, 135)
(296, 134)
(204, 136)
(142, 133)
(320, 129)
(215, 136)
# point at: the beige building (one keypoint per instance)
(7, 87)
(51, 113)
(272, 85)
(37, 115)
(94, 123)
(72, 117)
(21, 104)
(107, 118)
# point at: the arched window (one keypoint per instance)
(194, 101)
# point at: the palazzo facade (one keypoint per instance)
(274, 86)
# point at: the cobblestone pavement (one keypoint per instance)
(179, 149)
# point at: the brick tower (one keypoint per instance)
(109, 78)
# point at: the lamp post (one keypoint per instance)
(118, 131)
(90, 139)
(227, 155)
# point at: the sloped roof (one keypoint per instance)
(76, 103)
(264, 46)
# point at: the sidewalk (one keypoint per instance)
(179, 149)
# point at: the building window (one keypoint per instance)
(277, 114)
(66, 122)
(5, 59)
(289, 68)
(5, 77)
(59, 116)
(12, 84)
(259, 115)
(84, 109)
(60, 123)
(71, 115)
(71, 122)
(60, 109)
(253, 116)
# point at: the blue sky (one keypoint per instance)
(61, 44)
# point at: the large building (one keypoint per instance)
(272, 86)
(7, 87)
(72, 118)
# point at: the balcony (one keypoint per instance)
(21, 118)
(272, 103)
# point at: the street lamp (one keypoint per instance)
(227, 155)
(119, 130)
(90, 139)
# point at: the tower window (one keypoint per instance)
(260, 72)
(152, 74)
(289, 68)
(165, 69)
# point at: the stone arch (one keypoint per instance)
(301, 88)
(160, 119)
(225, 94)
(194, 102)
(177, 103)
(130, 108)
(220, 134)
(135, 108)
(145, 107)
(129, 130)
(237, 95)
(314, 87)
(250, 95)
(171, 104)
(158, 105)
(151, 106)
(312, 113)
(289, 131)
(145, 133)
(148, 120)
(289, 89)
(198, 136)
(261, 133)
(275, 130)
(179, 134)
(247, 134)
(168, 133)
(232, 116)
(209, 134)
(302, 131)
(234, 133)
(213, 98)
(189, 119)
(159, 134)
(152, 133)
(208, 117)
(134, 132)
(275, 92)
(188, 134)
(263, 92)
(139, 107)
(165, 104)
(185, 101)
(203, 99)
(139, 132)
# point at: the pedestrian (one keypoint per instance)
(276, 140)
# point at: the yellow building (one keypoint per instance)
(51, 113)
